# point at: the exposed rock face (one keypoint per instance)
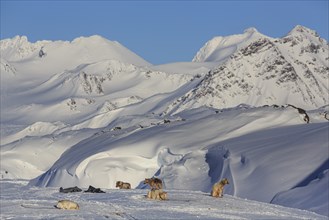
(293, 69)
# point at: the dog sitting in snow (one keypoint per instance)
(157, 194)
(67, 204)
(155, 183)
(123, 185)
(218, 188)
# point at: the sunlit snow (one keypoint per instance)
(91, 112)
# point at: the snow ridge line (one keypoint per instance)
(36, 206)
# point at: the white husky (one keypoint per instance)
(67, 204)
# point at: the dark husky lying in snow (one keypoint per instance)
(70, 189)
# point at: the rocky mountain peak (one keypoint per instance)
(19, 47)
(267, 71)
(299, 29)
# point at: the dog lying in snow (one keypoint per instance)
(155, 183)
(94, 190)
(67, 204)
(218, 188)
(70, 189)
(157, 194)
(123, 185)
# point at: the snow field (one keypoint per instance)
(19, 201)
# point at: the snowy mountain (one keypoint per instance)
(263, 71)
(80, 50)
(19, 47)
(220, 48)
(36, 62)
(250, 108)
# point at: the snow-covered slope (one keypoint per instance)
(87, 90)
(37, 62)
(293, 69)
(19, 48)
(66, 73)
(18, 201)
(187, 153)
(220, 48)
(303, 195)
(252, 108)
(68, 54)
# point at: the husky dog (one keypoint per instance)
(67, 204)
(70, 189)
(94, 190)
(154, 183)
(217, 188)
(157, 194)
(123, 185)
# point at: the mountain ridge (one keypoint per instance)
(91, 49)
(295, 68)
(227, 45)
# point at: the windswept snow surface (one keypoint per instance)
(220, 48)
(91, 112)
(261, 156)
(19, 201)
